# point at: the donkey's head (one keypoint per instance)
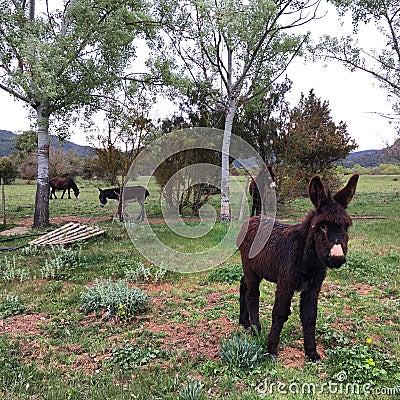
(330, 221)
(102, 197)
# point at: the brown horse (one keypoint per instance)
(257, 188)
(296, 258)
(63, 184)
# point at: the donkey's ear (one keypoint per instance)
(317, 192)
(99, 190)
(344, 196)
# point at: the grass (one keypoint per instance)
(51, 348)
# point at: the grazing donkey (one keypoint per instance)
(63, 184)
(132, 193)
(257, 188)
(296, 258)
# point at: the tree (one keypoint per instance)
(65, 164)
(8, 170)
(28, 167)
(62, 60)
(311, 144)
(109, 158)
(26, 143)
(261, 123)
(210, 41)
(383, 64)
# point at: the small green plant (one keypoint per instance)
(140, 273)
(11, 306)
(241, 353)
(228, 273)
(62, 263)
(192, 391)
(130, 356)
(360, 363)
(10, 272)
(117, 299)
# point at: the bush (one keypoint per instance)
(240, 353)
(117, 299)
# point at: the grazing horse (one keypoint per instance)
(257, 188)
(296, 258)
(131, 193)
(63, 184)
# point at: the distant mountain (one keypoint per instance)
(370, 158)
(8, 140)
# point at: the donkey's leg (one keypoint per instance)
(280, 314)
(69, 193)
(253, 208)
(141, 214)
(253, 299)
(308, 315)
(62, 196)
(244, 317)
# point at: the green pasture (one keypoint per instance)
(57, 342)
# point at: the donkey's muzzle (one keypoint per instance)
(335, 261)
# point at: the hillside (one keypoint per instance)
(372, 158)
(8, 140)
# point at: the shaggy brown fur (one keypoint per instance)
(296, 258)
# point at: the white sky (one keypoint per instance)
(354, 97)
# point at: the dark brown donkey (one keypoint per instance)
(296, 258)
(257, 188)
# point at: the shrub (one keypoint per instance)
(228, 273)
(117, 299)
(240, 353)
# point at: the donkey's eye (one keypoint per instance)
(323, 227)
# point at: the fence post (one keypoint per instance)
(3, 201)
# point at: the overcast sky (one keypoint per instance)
(354, 97)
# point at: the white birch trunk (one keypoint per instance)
(225, 196)
(41, 218)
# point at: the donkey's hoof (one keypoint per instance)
(273, 357)
(316, 358)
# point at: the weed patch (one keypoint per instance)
(130, 356)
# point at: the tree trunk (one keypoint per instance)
(225, 214)
(41, 218)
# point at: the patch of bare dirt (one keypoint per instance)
(26, 325)
(200, 338)
(18, 230)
